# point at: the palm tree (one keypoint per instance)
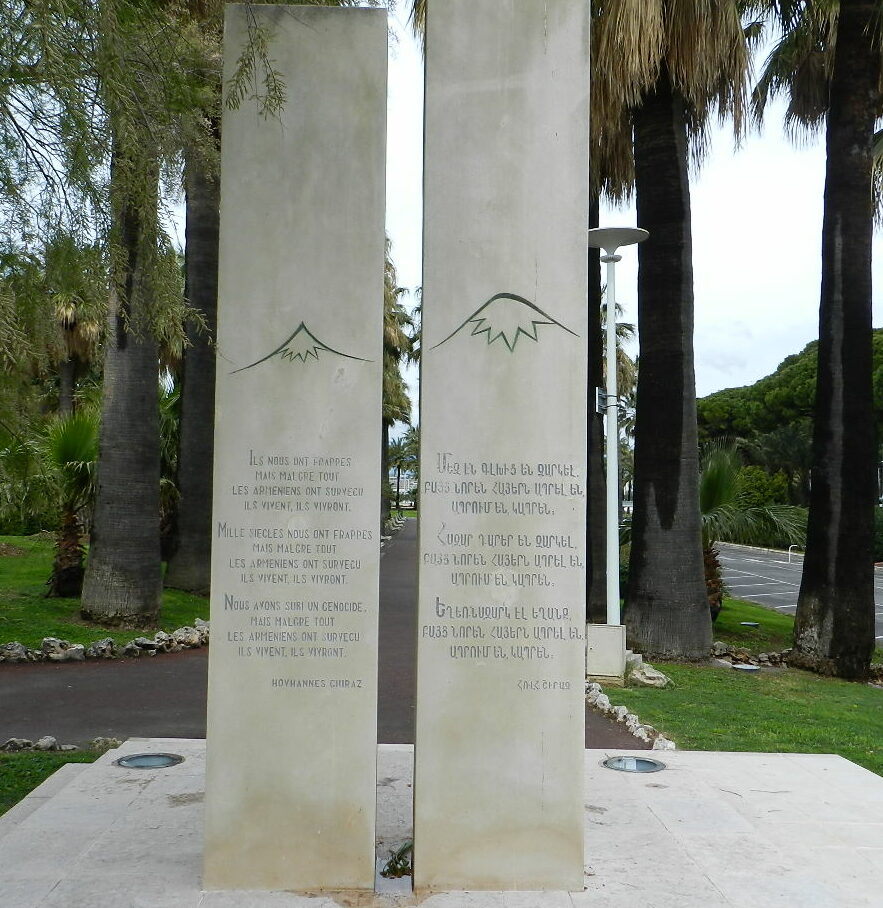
(123, 583)
(70, 451)
(726, 517)
(834, 628)
(671, 65)
(411, 438)
(189, 562)
(834, 54)
(189, 566)
(397, 346)
(148, 105)
(666, 614)
(402, 458)
(75, 280)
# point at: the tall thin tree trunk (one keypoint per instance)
(67, 384)
(189, 567)
(834, 630)
(666, 611)
(596, 563)
(123, 582)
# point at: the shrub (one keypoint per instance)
(756, 488)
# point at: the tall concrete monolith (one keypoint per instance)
(290, 798)
(500, 700)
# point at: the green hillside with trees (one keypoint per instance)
(784, 398)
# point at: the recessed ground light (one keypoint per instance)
(149, 761)
(742, 667)
(749, 623)
(633, 764)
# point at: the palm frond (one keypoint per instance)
(70, 451)
(725, 516)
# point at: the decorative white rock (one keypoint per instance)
(647, 676)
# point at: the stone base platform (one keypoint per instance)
(712, 829)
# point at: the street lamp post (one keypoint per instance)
(610, 239)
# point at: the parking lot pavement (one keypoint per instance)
(769, 579)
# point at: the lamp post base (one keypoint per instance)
(605, 653)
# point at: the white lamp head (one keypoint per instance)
(611, 238)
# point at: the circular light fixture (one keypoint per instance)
(633, 764)
(611, 238)
(149, 761)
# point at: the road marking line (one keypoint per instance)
(777, 593)
(728, 557)
(762, 577)
(749, 586)
(777, 607)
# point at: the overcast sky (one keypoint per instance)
(757, 220)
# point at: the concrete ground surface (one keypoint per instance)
(165, 695)
(712, 829)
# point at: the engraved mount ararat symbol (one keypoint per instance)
(300, 345)
(507, 317)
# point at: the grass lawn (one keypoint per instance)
(774, 710)
(773, 634)
(21, 773)
(26, 615)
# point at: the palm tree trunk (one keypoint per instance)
(123, 582)
(666, 611)
(714, 584)
(67, 384)
(189, 567)
(66, 580)
(834, 630)
(596, 563)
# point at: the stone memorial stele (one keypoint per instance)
(498, 800)
(292, 741)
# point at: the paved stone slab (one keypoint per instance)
(39, 796)
(89, 846)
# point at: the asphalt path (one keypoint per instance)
(165, 695)
(770, 579)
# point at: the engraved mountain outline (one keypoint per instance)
(300, 345)
(507, 317)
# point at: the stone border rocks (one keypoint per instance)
(740, 655)
(48, 744)
(390, 528)
(727, 654)
(53, 649)
(598, 700)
